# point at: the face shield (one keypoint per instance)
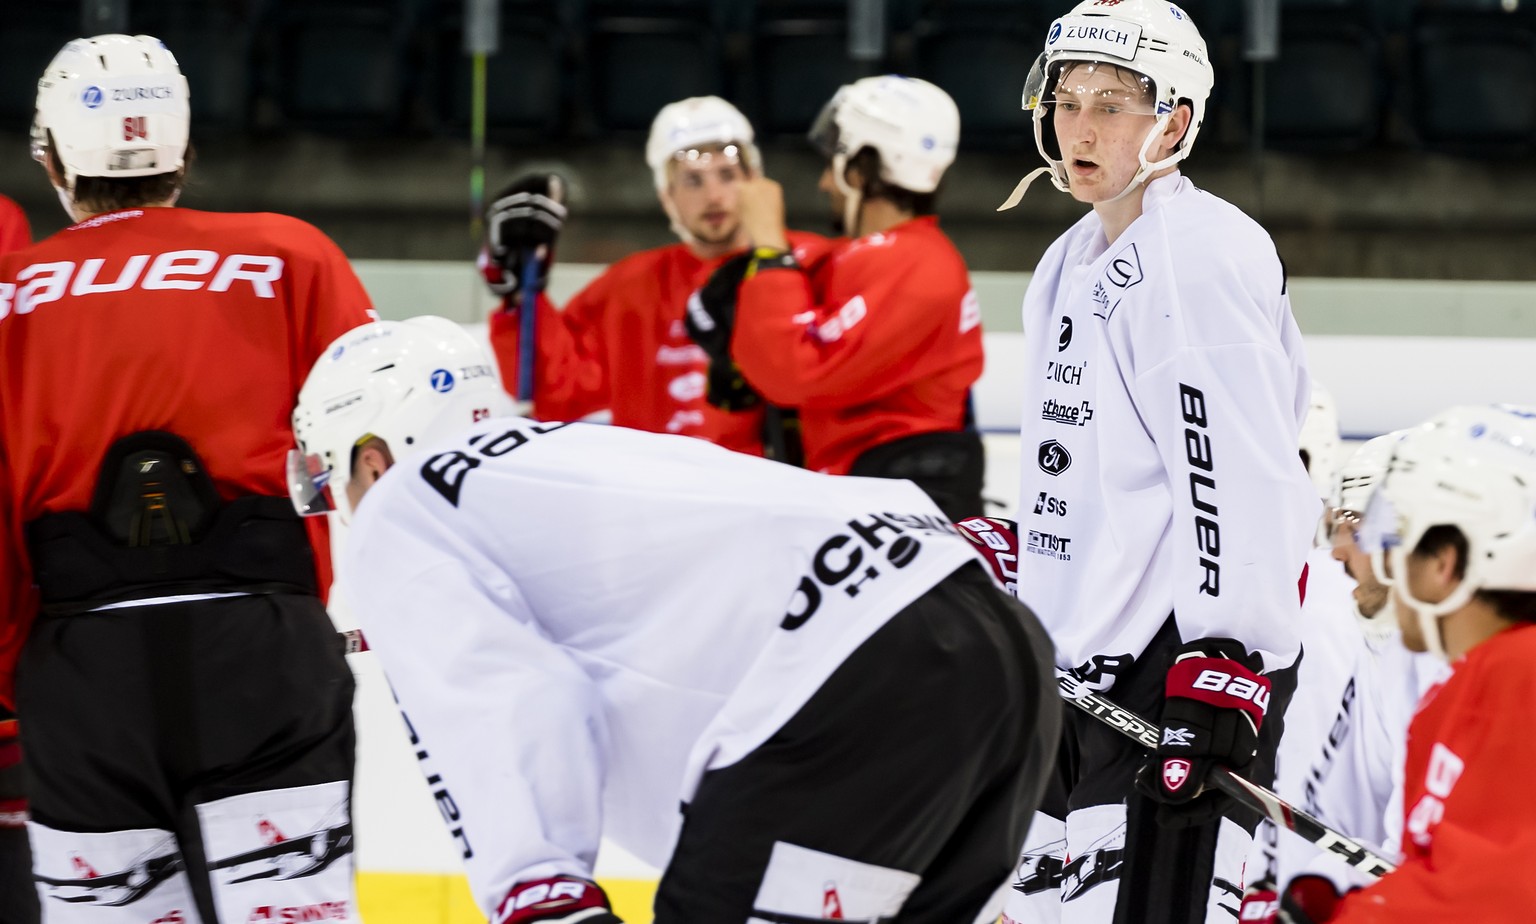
(688, 168)
(309, 483)
(825, 136)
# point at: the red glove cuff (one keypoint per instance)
(997, 543)
(556, 898)
(1220, 682)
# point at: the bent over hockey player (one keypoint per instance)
(587, 626)
(1165, 516)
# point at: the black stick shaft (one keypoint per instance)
(1247, 794)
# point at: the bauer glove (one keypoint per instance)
(1215, 703)
(561, 900)
(522, 225)
(997, 544)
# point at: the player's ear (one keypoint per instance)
(373, 460)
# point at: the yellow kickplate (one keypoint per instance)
(440, 898)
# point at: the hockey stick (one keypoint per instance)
(1248, 794)
(528, 304)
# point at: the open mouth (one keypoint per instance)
(1083, 165)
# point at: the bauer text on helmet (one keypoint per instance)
(406, 383)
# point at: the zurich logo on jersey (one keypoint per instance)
(442, 380)
(92, 97)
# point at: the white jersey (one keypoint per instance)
(1165, 386)
(1320, 714)
(580, 620)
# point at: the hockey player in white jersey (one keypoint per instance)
(589, 626)
(1166, 516)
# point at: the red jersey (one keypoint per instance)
(620, 344)
(1469, 816)
(879, 341)
(201, 324)
(15, 233)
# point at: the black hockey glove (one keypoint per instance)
(1215, 702)
(551, 901)
(710, 319)
(522, 225)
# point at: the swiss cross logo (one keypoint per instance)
(1175, 772)
(134, 129)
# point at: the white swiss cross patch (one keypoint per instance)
(1175, 772)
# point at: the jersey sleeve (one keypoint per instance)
(18, 602)
(571, 366)
(15, 233)
(1473, 869)
(875, 320)
(1224, 423)
(505, 721)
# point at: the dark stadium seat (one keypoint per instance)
(214, 44)
(1474, 79)
(1327, 89)
(342, 65)
(799, 59)
(980, 52)
(527, 79)
(640, 55)
(30, 35)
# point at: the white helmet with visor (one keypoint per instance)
(697, 133)
(1153, 39)
(1470, 467)
(409, 383)
(912, 124)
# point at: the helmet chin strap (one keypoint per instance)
(853, 199)
(676, 225)
(1427, 614)
(1058, 172)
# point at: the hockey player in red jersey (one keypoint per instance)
(1452, 531)
(619, 343)
(798, 693)
(878, 344)
(169, 648)
(18, 900)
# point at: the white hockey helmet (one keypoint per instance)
(1319, 439)
(1470, 467)
(409, 383)
(114, 106)
(682, 128)
(1153, 38)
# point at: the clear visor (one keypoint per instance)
(1380, 528)
(1105, 89)
(309, 483)
(689, 166)
(824, 135)
(39, 139)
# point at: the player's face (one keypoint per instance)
(1419, 569)
(1101, 115)
(705, 187)
(1370, 594)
